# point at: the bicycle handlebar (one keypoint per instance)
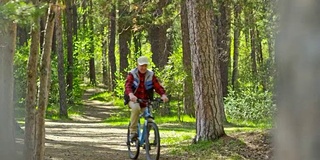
(159, 100)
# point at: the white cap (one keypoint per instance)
(143, 60)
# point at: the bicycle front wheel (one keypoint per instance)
(133, 146)
(152, 145)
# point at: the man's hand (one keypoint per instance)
(164, 98)
(132, 97)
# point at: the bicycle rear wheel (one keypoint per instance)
(133, 146)
(152, 145)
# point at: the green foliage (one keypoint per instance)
(120, 82)
(172, 76)
(20, 75)
(250, 103)
(21, 11)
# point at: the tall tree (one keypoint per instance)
(236, 43)
(206, 71)
(124, 30)
(69, 33)
(223, 41)
(92, 68)
(62, 83)
(23, 35)
(297, 133)
(112, 43)
(31, 97)
(45, 70)
(223, 45)
(7, 49)
(188, 99)
(253, 41)
(161, 45)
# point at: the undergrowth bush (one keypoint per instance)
(250, 103)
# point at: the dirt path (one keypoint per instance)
(87, 137)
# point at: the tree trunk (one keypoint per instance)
(188, 98)
(223, 45)
(161, 45)
(31, 97)
(92, 68)
(73, 17)
(124, 30)
(23, 36)
(62, 84)
(69, 33)
(7, 49)
(236, 45)
(112, 43)
(206, 72)
(297, 133)
(44, 82)
(137, 44)
(223, 42)
(105, 78)
(253, 45)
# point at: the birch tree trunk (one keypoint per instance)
(7, 49)
(206, 71)
(44, 82)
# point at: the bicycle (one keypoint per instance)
(148, 134)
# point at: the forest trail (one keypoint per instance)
(86, 137)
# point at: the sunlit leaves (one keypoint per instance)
(21, 12)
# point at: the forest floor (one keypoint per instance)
(86, 137)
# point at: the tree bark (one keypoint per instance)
(23, 35)
(223, 45)
(297, 133)
(253, 38)
(236, 44)
(92, 68)
(112, 43)
(161, 45)
(7, 49)
(223, 41)
(188, 98)
(124, 30)
(62, 83)
(69, 33)
(44, 82)
(31, 97)
(206, 72)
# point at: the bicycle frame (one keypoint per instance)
(142, 135)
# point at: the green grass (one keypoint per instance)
(104, 96)
(53, 112)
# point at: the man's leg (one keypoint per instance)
(135, 111)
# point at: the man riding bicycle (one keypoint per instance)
(140, 83)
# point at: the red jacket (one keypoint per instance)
(140, 85)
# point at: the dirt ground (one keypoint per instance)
(86, 137)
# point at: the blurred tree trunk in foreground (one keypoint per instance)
(7, 49)
(298, 135)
